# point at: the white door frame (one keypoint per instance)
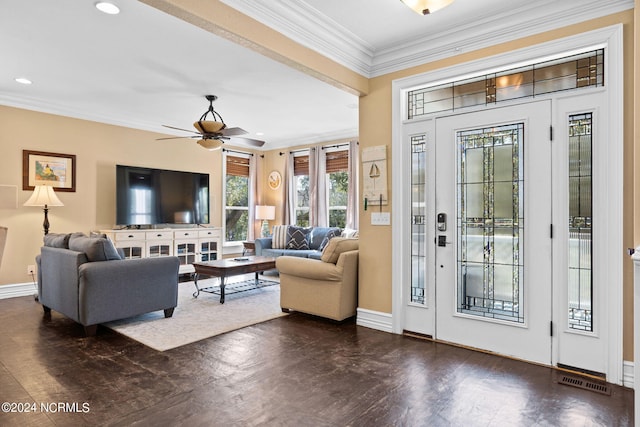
(609, 38)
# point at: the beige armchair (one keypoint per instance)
(327, 287)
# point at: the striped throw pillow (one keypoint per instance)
(279, 237)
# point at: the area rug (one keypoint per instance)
(195, 319)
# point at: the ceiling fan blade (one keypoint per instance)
(233, 131)
(254, 142)
(184, 130)
(177, 137)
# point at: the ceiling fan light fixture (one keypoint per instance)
(210, 144)
(426, 7)
(209, 126)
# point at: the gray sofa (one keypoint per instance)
(85, 279)
(315, 242)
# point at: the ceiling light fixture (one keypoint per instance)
(23, 80)
(108, 8)
(425, 7)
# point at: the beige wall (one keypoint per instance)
(98, 148)
(89, 207)
(375, 129)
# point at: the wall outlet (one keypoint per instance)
(31, 269)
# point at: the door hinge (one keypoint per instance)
(551, 328)
(551, 231)
(550, 133)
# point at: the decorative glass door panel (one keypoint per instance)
(493, 260)
(580, 220)
(418, 219)
(490, 222)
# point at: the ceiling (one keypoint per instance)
(144, 68)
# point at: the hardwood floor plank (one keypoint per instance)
(292, 371)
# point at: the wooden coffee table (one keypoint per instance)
(228, 267)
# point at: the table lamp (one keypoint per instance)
(43, 195)
(265, 213)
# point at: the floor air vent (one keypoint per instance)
(585, 383)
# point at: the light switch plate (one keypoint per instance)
(380, 218)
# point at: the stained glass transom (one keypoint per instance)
(570, 72)
(490, 222)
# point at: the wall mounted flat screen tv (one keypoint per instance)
(146, 196)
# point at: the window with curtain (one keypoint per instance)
(236, 193)
(337, 184)
(301, 194)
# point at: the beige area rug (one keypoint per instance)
(195, 319)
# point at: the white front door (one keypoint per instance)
(493, 214)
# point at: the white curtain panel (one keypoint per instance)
(317, 188)
(353, 217)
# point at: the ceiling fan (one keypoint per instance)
(213, 133)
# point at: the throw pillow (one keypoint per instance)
(298, 237)
(95, 248)
(56, 240)
(336, 246)
(350, 233)
(279, 238)
(334, 232)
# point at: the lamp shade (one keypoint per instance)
(265, 212)
(425, 7)
(43, 195)
(210, 144)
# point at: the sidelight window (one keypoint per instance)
(418, 215)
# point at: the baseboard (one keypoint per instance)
(628, 374)
(17, 290)
(374, 320)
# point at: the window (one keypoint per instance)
(236, 198)
(337, 167)
(301, 182)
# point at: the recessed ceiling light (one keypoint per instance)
(108, 8)
(23, 80)
(259, 133)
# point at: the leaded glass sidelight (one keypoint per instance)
(580, 284)
(418, 215)
(490, 222)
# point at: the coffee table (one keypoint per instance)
(228, 267)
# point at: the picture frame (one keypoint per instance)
(275, 179)
(55, 169)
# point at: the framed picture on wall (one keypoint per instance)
(55, 169)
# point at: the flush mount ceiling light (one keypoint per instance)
(425, 7)
(108, 8)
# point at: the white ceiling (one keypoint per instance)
(144, 68)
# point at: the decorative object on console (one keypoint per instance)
(425, 7)
(43, 195)
(54, 169)
(265, 213)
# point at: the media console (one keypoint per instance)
(188, 244)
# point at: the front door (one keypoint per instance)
(493, 214)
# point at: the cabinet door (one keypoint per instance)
(208, 249)
(185, 250)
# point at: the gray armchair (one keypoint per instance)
(89, 283)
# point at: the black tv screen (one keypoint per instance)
(146, 196)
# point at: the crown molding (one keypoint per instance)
(307, 26)
(312, 29)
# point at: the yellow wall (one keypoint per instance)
(375, 129)
(99, 147)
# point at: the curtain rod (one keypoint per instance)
(282, 153)
(238, 152)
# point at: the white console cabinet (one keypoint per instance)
(188, 244)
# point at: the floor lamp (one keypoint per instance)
(265, 213)
(43, 195)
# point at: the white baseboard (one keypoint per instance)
(374, 320)
(627, 374)
(18, 290)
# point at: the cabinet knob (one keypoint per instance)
(158, 235)
(130, 236)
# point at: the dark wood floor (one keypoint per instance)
(292, 371)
